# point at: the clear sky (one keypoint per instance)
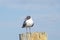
(45, 13)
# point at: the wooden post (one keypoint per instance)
(34, 36)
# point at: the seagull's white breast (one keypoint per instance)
(29, 22)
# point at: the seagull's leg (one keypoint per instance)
(30, 31)
(26, 33)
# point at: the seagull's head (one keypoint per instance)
(28, 17)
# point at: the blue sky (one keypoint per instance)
(45, 13)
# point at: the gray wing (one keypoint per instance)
(24, 24)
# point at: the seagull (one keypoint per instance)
(28, 23)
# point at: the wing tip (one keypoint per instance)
(22, 27)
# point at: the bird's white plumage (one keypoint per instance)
(29, 22)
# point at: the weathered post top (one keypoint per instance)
(34, 36)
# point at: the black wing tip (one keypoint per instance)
(22, 27)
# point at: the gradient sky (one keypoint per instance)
(45, 13)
